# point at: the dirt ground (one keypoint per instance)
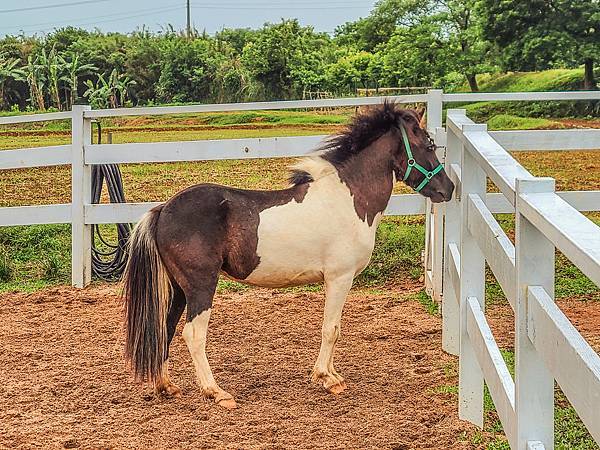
(64, 384)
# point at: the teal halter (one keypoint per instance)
(412, 163)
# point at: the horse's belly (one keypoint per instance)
(300, 243)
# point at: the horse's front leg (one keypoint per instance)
(336, 290)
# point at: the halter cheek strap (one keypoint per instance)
(429, 174)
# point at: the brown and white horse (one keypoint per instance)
(321, 228)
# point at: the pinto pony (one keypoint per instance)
(321, 228)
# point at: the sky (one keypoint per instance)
(42, 16)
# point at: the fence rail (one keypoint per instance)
(461, 237)
(547, 346)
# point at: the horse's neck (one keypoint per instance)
(369, 177)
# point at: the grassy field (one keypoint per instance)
(37, 256)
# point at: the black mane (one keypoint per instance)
(364, 129)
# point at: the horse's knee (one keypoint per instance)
(330, 333)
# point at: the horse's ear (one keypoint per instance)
(421, 113)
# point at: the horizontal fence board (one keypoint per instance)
(117, 212)
(35, 215)
(548, 140)
(208, 150)
(400, 205)
(573, 363)
(454, 268)
(496, 374)
(405, 204)
(571, 232)
(255, 106)
(520, 96)
(497, 163)
(584, 201)
(35, 118)
(35, 157)
(455, 175)
(497, 248)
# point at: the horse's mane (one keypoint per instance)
(365, 128)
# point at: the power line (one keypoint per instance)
(56, 5)
(105, 16)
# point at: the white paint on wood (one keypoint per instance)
(254, 106)
(28, 118)
(35, 215)
(451, 256)
(571, 232)
(521, 96)
(571, 360)
(497, 163)
(535, 445)
(472, 284)
(81, 186)
(453, 271)
(494, 243)
(35, 157)
(207, 150)
(548, 140)
(584, 201)
(497, 376)
(534, 384)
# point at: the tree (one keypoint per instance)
(9, 71)
(285, 58)
(418, 55)
(111, 92)
(74, 68)
(470, 50)
(36, 79)
(538, 34)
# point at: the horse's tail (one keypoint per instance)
(147, 293)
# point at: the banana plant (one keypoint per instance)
(73, 69)
(36, 79)
(110, 92)
(9, 70)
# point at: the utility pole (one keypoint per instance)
(189, 21)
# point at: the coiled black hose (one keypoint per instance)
(109, 263)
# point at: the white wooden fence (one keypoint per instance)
(547, 346)
(461, 236)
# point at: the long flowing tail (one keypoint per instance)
(147, 293)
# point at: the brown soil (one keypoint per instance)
(63, 382)
(585, 316)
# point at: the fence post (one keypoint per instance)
(434, 214)
(81, 186)
(450, 308)
(534, 385)
(472, 284)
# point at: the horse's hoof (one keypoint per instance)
(337, 388)
(225, 400)
(169, 391)
(227, 403)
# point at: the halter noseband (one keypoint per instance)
(412, 163)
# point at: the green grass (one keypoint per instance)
(547, 80)
(431, 306)
(510, 122)
(37, 256)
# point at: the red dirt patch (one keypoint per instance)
(63, 382)
(585, 316)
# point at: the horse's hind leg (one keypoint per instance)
(336, 290)
(163, 385)
(199, 301)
